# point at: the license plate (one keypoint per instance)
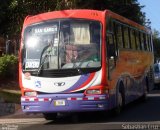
(59, 103)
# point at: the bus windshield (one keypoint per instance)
(62, 44)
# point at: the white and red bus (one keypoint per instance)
(82, 61)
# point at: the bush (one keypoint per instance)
(8, 66)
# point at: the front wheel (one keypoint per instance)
(50, 116)
(119, 107)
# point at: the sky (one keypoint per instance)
(152, 10)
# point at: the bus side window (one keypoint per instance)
(129, 36)
(111, 38)
(111, 47)
(145, 42)
(119, 36)
(111, 53)
(115, 39)
(126, 37)
(148, 42)
(137, 40)
(142, 41)
(133, 40)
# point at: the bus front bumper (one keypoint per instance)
(64, 103)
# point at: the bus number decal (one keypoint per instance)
(32, 64)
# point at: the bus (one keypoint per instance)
(83, 61)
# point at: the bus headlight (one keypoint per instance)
(30, 94)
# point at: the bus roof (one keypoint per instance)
(126, 21)
(81, 14)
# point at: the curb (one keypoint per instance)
(10, 91)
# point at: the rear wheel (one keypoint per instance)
(146, 89)
(50, 116)
(145, 92)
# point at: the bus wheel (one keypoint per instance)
(118, 109)
(144, 96)
(50, 116)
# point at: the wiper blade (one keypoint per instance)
(44, 59)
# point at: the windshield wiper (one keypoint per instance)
(44, 59)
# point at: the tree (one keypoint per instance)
(19, 9)
(13, 12)
(3, 16)
(127, 8)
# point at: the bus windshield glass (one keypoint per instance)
(62, 44)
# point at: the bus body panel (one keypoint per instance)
(61, 85)
(71, 103)
(132, 66)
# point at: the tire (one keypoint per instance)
(50, 116)
(144, 96)
(119, 103)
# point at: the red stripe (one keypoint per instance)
(86, 82)
(73, 98)
(46, 99)
(85, 98)
(96, 98)
(27, 100)
(36, 99)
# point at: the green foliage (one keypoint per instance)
(8, 66)
(156, 34)
(128, 8)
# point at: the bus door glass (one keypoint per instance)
(111, 51)
(111, 47)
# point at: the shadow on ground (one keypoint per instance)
(139, 111)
